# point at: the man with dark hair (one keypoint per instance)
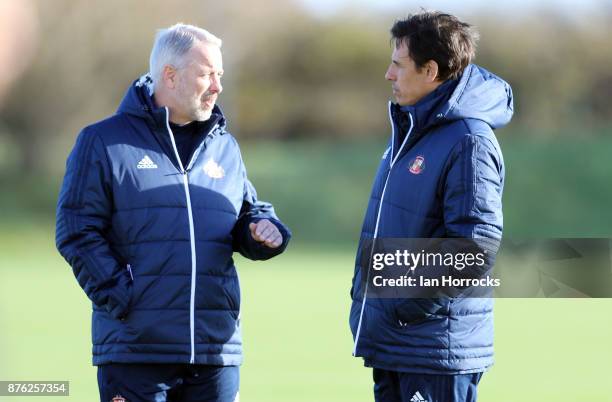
(441, 176)
(155, 201)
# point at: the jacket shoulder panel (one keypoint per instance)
(109, 125)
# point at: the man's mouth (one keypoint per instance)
(209, 102)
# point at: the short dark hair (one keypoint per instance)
(443, 38)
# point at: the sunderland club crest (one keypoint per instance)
(417, 165)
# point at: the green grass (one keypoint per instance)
(297, 341)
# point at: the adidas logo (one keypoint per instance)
(146, 163)
(386, 153)
(417, 397)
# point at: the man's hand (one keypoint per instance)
(267, 233)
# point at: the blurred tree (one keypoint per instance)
(559, 68)
(326, 79)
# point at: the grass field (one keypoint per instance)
(297, 342)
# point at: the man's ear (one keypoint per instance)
(431, 69)
(169, 76)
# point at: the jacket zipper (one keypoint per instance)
(392, 159)
(191, 240)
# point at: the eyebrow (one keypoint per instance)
(209, 70)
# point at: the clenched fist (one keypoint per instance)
(267, 233)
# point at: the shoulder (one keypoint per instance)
(466, 132)
(227, 139)
(107, 128)
(457, 130)
(477, 128)
(470, 142)
(227, 136)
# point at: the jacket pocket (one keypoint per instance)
(129, 285)
(235, 300)
(129, 269)
(416, 311)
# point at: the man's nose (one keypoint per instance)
(389, 76)
(215, 85)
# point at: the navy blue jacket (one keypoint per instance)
(441, 176)
(151, 241)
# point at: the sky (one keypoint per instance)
(510, 7)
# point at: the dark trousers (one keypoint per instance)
(168, 383)
(393, 386)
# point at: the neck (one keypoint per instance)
(435, 85)
(164, 100)
(432, 88)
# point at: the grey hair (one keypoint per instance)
(171, 45)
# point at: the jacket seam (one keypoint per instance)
(166, 240)
(173, 206)
(398, 206)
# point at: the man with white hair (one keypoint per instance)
(155, 201)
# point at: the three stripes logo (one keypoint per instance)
(146, 163)
(417, 397)
(386, 153)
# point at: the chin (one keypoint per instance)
(203, 115)
(404, 102)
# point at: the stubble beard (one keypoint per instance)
(196, 110)
(194, 106)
